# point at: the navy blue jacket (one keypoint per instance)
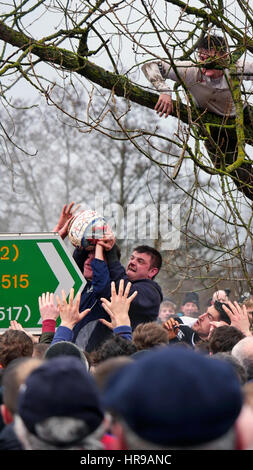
(145, 306)
(9, 439)
(96, 333)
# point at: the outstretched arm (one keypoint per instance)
(108, 240)
(49, 313)
(156, 72)
(118, 307)
(66, 216)
(239, 317)
(70, 316)
(47, 307)
(69, 312)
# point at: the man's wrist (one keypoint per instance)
(70, 326)
(48, 325)
(99, 252)
(123, 325)
(167, 93)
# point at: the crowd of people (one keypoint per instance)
(123, 360)
(126, 369)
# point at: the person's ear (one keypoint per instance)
(244, 429)
(152, 273)
(6, 414)
(118, 432)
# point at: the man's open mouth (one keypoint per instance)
(131, 268)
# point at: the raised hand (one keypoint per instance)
(14, 325)
(118, 307)
(47, 307)
(66, 216)
(69, 312)
(108, 240)
(239, 317)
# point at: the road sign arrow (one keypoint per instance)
(31, 264)
(66, 281)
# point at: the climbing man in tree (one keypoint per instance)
(209, 83)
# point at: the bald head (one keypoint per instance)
(243, 351)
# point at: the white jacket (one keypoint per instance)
(211, 94)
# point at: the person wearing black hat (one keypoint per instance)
(59, 408)
(207, 420)
(190, 305)
(66, 348)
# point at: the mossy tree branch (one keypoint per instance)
(120, 85)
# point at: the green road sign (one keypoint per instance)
(31, 264)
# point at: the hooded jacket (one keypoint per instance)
(89, 333)
(145, 306)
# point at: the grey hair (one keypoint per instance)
(244, 348)
(60, 430)
(243, 351)
(135, 442)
